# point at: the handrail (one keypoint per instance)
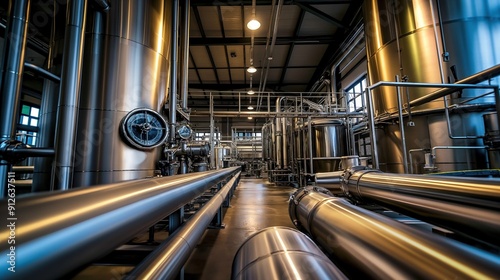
(59, 231)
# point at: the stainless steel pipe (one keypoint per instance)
(166, 261)
(69, 95)
(466, 206)
(46, 74)
(369, 245)
(66, 229)
(282, 253)
(330, 180)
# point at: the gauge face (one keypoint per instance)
(184, 131)
(144, 128)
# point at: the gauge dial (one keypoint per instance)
(184, 131)
(144, 128)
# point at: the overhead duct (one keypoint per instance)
(282, 253)
(369, 245)
(91, 222)
(127, 59)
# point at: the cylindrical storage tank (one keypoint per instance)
(267, 141)
(126, 66)
(405, 38)
(282, 253)
(220, 153)
(328, 145)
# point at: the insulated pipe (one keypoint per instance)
(69, 95)
(166, 261)
(466, 206)
(11, 76)
(282, 253)
(369, 245)
(91, 222)
(184, 65)
(174, 68)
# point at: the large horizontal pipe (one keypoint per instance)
(369, 245)
(60, 231)
(330, 180)
(23, 169)
(166, 261)
(466, 206)
(282, 253)
(474, 79)
(263, 114)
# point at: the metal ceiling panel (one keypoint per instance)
(238, 76)
(194, 31)
(208, 76)
(224, 76)
(307, 55)
(193, 77)
(239, 59)
(315, 26)
(219, 55)
(298, 75)
(288, 19)
(209, 19)
(200, 56)
(232, 19)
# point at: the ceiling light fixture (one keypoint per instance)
(250, 118)
(250, 108)
(251, 70)
(253, 24)
(251, 92)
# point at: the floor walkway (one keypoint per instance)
(256, 205)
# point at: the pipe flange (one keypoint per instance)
(7, 151)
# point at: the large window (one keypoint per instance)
(28, 124)
(356, 96)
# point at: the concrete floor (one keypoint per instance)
(256, 205)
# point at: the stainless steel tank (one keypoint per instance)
(405, 38)
(221, 152)
(328, 145)
(126, 66)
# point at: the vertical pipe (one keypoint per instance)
(212, 148)
(285, 143)
(373, 136)
(279, 135)
(69, 94)
(309, 128)
(184, 29)
(174, 68)
(48, 106)
(402, 127)
(11, 76)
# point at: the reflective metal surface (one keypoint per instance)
(66, 229)
(166, 261)
(282, 253)
(11, 76)
(128, 58)
(69, 95)
(467, 206)
(369, 245)
(406, 38)
(329, 180)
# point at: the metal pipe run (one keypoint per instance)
(172, 98)
(282, 253)
(11, 76)
(370, 246)
(474, 79)
(91, 222)
(69, 95)
(330, 180)
(42, 72)
(466, 206)
(184, 65)
(166, 261)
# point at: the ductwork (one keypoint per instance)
(369, 245)
(91, 222)
(282, 253)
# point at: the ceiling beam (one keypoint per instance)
(234, 86)
(303, 40)
(263, 2)
(320, 14)
(292, 46)
(202, 31)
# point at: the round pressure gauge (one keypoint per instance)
(184, 131)
(144, 128)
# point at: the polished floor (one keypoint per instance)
(256, 204)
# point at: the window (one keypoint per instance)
(28, 124)
(355, 94)
(205, 136)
